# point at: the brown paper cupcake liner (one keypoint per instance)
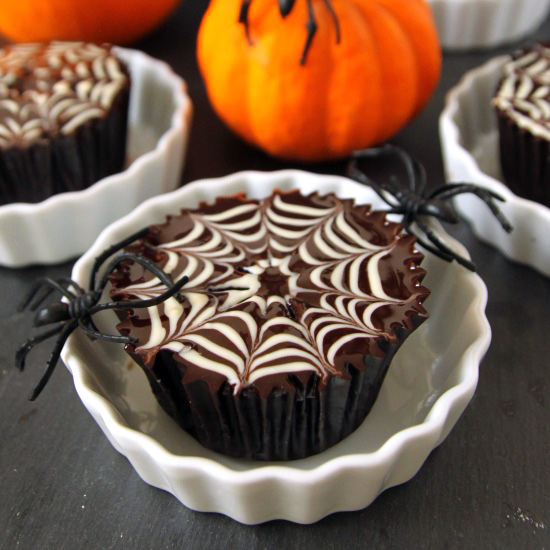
(285, 425)
(525, 161)
(66, 163)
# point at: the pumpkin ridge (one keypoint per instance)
(419, 7)
(362, 10)
(229, 106)
(329, 79)
(413, 49)
(382, 133)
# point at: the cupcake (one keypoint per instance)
(63, 118)
(522, 104)
(294, 308)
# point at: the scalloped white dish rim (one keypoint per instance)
(532, 216)
(498, 22)
(179, 124)
(437, 423)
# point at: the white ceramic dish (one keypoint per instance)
(469, 141)
(429, 384)
(474, 24)
(65, 225)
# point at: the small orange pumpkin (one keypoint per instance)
(349, 94)
(116, 21)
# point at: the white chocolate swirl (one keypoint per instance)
(55, 88)
(290, 285)
(524, 92)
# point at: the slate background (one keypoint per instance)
(62, 485)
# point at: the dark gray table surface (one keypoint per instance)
(62, 485)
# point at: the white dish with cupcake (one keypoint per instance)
(470, 145)
(430, 382)
(72, 101)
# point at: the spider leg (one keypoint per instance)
(111, 250)
(311, 27)
(442, 250)
(147, 264)
(416, 174)
(451, 190)
(67, 282)
(26, 347)
(355, 173)
(390, 150)
(44, 282)
(54, 359)
(172, 291)
(419, 178)
(243, 18)
(406, 160)
(335, 19)
(441, 210)
(96, 335)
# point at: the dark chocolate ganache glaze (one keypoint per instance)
(278, 289)
(55, 88)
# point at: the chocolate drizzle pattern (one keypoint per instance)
(524, 92)
(287, 286)
(54, 89)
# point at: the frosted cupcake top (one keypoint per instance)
(524, 91)
(286, 286)
(55, 88)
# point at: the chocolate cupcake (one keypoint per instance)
(294, 308)
(63, 118)
(522, 105)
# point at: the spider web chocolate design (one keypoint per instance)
(524, 93)
(289, 285)
(50, 89)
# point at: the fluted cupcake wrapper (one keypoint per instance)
(285, 425)
(66, 162)
(525, 161)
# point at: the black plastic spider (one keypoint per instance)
(285, 7)
(81, 305)
(414, 204)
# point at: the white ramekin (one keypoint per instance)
(65, 225)
(469, 141)
(472, 24)
(430, 382)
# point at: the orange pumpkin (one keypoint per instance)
(116, 21)
(346, 96)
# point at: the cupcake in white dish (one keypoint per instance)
(470, 146)
(473, 24)
(64, 225)
(430, 383)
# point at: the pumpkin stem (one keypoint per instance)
(285, 7)
(243, 19)
(335, 19)
(311, 27)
